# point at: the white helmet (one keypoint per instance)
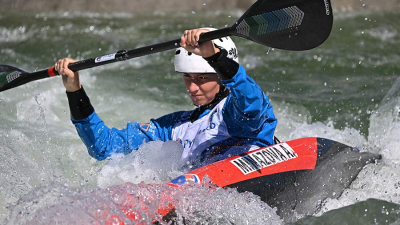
(187, 62)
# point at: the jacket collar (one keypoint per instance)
(223, 93)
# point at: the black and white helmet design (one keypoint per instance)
(187, 62)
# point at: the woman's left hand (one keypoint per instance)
(190, 42)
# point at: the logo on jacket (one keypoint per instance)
(145, 126)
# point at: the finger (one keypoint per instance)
(61, 71)
(197, 35)
(190, 38)
(185, 36)
(64, 66)
(183, 42)
(57, 65)
(194, 41)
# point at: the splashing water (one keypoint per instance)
(382, 180)
(155, 162)
(141, 203)
(46, 175)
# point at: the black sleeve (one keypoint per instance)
(79, 104)
(225, 67)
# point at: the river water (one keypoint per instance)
(346, 90)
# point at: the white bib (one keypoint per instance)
(202, 133)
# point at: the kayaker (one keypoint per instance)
(232, 115)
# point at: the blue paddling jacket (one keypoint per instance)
(239, 119)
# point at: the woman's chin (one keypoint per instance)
(200, 101)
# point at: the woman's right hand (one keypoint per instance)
(70, 79)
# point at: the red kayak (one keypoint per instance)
(264, 169)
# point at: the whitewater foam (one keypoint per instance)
(380, 180)
(153, 162)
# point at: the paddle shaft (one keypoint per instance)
(123, 55)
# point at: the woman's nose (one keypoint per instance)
(193, 88)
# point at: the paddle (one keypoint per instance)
(284, 24)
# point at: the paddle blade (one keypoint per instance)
(10, 77)
(290, 25)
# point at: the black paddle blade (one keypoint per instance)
(290, 25)
(10, 77)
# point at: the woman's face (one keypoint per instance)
(202, 87)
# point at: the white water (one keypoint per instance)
(382, 180)
(155, 162)
(53, 153)
(42, 148)
(47, 176)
